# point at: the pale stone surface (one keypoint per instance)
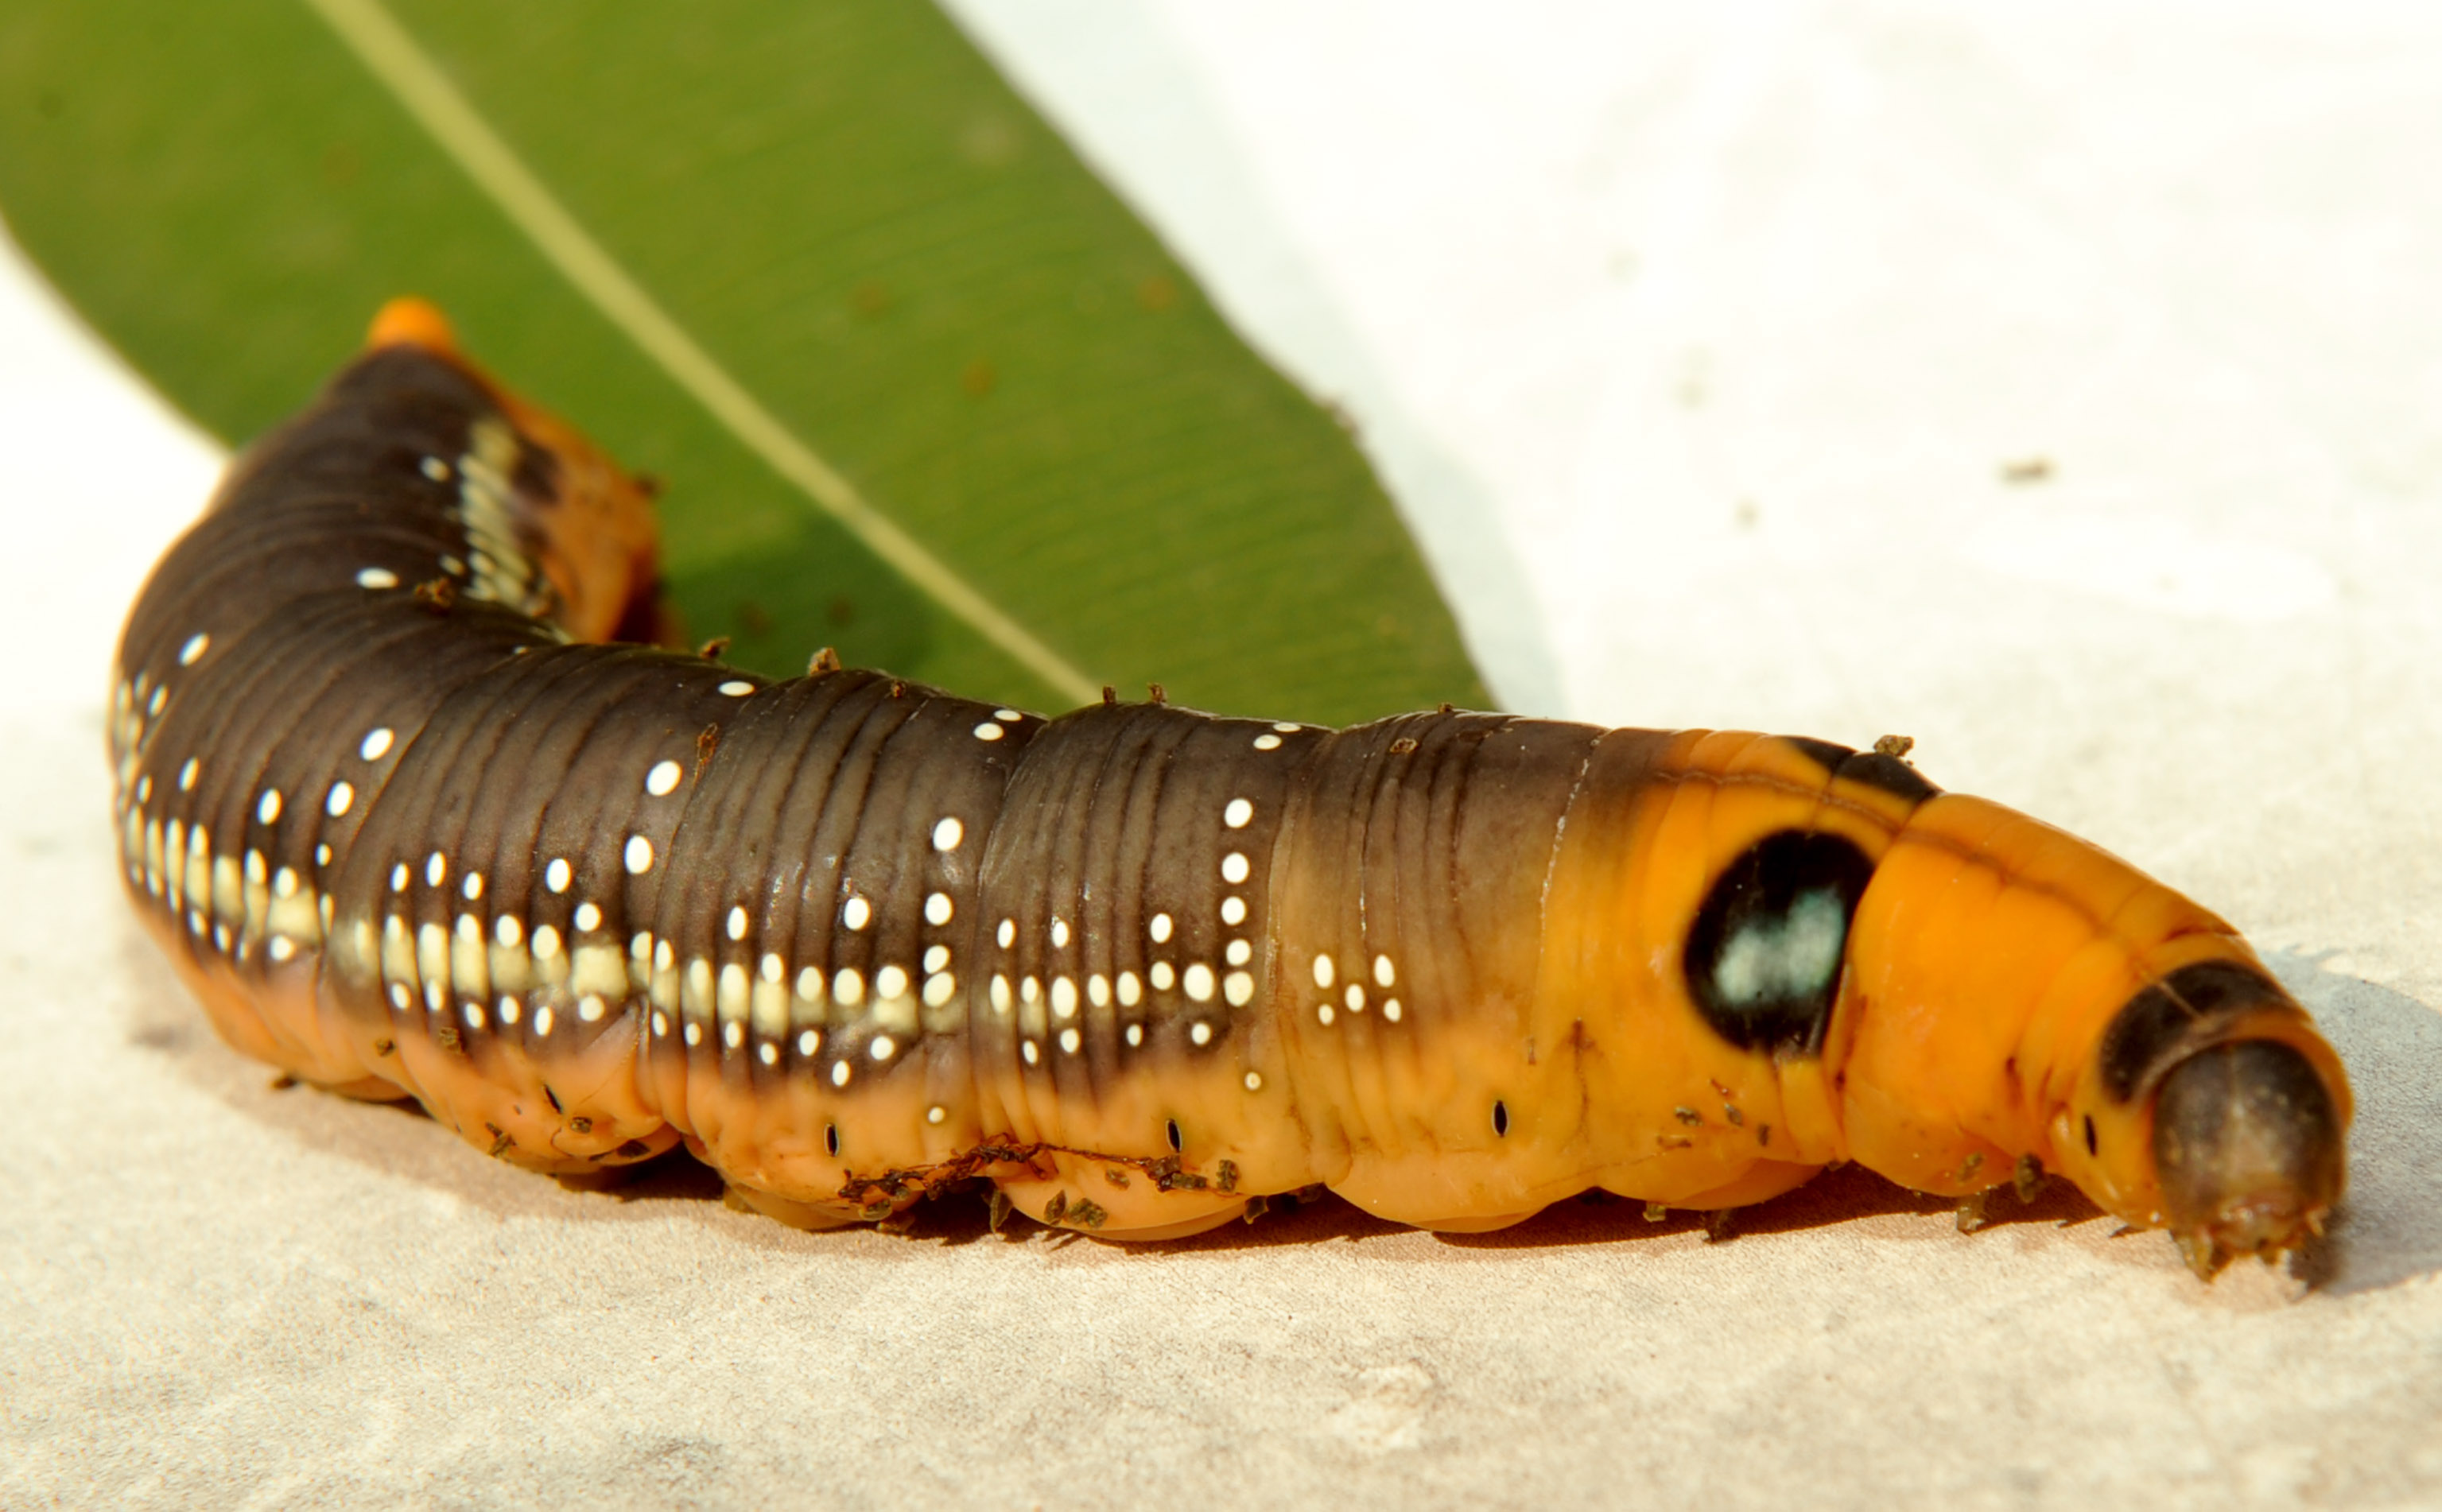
(1696, 348)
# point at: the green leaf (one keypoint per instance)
(921, 387)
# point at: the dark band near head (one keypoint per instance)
(2173, 1016)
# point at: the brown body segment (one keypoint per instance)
(854, 940)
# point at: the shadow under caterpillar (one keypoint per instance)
(408, 828)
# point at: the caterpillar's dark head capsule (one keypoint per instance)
(2248, 1144)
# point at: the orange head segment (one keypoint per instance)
(2015, 992)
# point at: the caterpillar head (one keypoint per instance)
(2014, 990)
(2245, 1131)
(2248, 1144)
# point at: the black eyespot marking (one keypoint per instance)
(2164, 1021)
(831, 1137)
(1176, 1143)
(1766, 954)
(1501, 1120)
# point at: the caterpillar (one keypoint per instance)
(412, 821)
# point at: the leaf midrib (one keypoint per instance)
(418, 84)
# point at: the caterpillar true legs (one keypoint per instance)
(854, 940)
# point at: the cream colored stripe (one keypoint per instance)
(386, 49)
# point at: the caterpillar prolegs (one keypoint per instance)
(407, 829)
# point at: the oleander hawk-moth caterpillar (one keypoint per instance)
(410, 824)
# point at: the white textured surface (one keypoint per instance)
(1695, 342)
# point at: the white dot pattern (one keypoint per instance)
(1084, 956)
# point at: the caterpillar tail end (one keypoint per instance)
(412, 322)
(2249, 1146)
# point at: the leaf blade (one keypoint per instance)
(950, 315)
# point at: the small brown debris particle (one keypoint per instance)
(1110, 695)
(1256, 1208)
(711, 649)
(1718, 1225)
(1970, 1214)
(499, 1140)
(1087, 1214)
(1687, 1116)
(1056, 1209)
(1895, 746)
(1157, 693)
(1404, 746)
(1655, 1213)
(707, 741)
(826, 661)
(2027, 470)
(1115, 1176)
(580, 1124)
(996, 1207)
(282, 1082)
(2028, 1177)
(1228, 1176)
(385, 1048)
(437, 594)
